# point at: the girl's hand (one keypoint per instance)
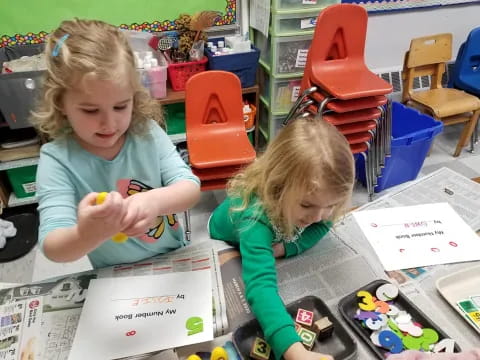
(98, 223)
(141, 214)
(298, 352)
(278, 250)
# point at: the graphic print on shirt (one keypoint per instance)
(128, 187)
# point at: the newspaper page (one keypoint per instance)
(60, 301)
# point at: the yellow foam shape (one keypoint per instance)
(120, 237)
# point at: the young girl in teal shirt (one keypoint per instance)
(280, 206)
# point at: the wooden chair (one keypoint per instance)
(427, 57)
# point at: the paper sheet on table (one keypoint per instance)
(421, 235)
(135, 315)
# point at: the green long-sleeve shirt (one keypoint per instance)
(255, 235)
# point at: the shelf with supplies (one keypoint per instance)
(178, 97)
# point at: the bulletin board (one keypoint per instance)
(390, 5)
(29, 21)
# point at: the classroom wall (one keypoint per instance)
(389, 33)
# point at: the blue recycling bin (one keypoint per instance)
(412, 136)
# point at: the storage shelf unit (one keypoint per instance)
(283, 57)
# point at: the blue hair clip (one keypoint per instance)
(58, 45)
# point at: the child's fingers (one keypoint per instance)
(111, 206)
(88, 200)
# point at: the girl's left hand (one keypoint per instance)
(141, 214)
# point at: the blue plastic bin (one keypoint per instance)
(412, 136)
(244, 65)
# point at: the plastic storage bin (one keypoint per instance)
(23, 180)
(269, 124)
(278, 93)
(179, 73)
(19, 89)
(175, 118)
(412, 136)
(294, 23)
(244, 64)
(285, 56)
(282, 5)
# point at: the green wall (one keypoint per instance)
(28, 21)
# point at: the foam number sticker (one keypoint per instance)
(365, 301)
(445, 345)
(377, 324)
(429, 337)
(393, 311)
(389, 340)
(394, 328)
(381, 306)
(386, 292)
(219, 353)
(194, 325)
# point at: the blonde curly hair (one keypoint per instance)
(307, 156)
(84, 49)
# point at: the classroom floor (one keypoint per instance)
(35, 267)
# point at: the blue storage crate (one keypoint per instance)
(412, 136)
(244, 65)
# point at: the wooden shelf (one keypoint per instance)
(174, 97)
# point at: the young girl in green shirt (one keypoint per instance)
(279, 206)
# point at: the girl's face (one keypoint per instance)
(100, 113)
(314, 207)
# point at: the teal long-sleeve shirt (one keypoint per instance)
(254, 235)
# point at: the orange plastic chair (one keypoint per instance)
(215, 128)
(427, 57)
(335, 61)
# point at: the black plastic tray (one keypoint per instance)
(340, 345)
(348, 307)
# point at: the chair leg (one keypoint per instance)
(188, 226)
(468, 130)
(474, 139)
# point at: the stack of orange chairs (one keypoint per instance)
(338, 86)
(217, 143)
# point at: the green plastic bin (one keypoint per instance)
(23, 180)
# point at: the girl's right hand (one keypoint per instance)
(298, 352)
(97, 223)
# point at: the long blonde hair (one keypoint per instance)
(308, 155)
(85, 49)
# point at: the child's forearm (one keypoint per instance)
(66, 244)
(176, 197)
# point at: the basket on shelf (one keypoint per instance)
(179, 73)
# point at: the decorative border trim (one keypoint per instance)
(167, 25)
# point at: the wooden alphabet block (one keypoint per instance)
(308, 338)
(260, 349)
(323, 328)
(304, 317)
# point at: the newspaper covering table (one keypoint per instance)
(340, 263)
(60, 302)
(344, 261)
